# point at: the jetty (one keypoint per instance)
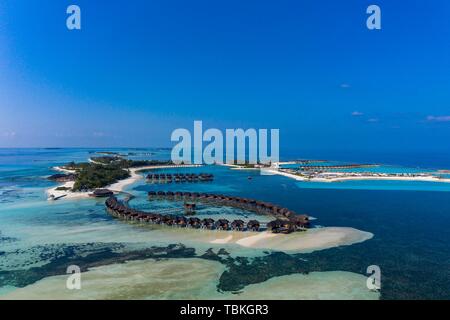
(295, 222)
(336, 167)
(179, 177)
(258, 207)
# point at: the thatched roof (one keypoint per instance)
(102, 193)
(208, 221)
(253, 222)
(237, 223)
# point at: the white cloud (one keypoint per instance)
(438, 118)
(357, 114)
(99, 134)
(9, 134)
(373, 120)
(345, 85)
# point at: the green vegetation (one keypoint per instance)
(106, 170)
(125, 163)
(142, 163)
(76, 166)
(62, 189)
(109, 160)
(249, 165)
(92, 176)
(108, 153)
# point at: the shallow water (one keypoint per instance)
(193, 279)
(410, 225)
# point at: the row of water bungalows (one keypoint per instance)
(119, 210)
(259, 207)
(334, 167)
(179, 177)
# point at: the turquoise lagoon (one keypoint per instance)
(410, 222)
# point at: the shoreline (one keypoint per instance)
(116, 187)
(429, 178)
(311, 240)
(172, 278)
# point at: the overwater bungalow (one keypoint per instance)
(222, 224)
(178, 177)
(167, 219)
(237, 225)
(132, 215)
(253, 225)
(301, 221)
(142, 217)
(275, 210)
(101, 193)
(260, 205)
(281, 226)
(156, 218)
(180, 221)
(189, 208)
(194, 222)
(289, 214)
(122, 209)
(208, 223)
(229, 200)
(205, 177)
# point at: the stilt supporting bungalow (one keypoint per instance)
(286, 221)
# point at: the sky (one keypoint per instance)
(137, 70)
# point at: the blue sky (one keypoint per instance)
(139, 69)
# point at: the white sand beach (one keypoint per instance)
(392, 178)
(65, 194)
(115, 187)
(175, 279)
(343, 176)
(307, 241)
(310, 240)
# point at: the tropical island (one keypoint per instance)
(111, 172)
(106, 176)
(330, 173)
